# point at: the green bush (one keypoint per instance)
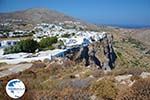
(51, 47)
(46, 42)
(28, 45)
(65, 35)
(73, 34)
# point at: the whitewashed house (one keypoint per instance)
(7, 43)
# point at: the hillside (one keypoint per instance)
(27, 19)
(143, 35)
(35, 16)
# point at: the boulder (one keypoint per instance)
(124, 79)
(145, 74)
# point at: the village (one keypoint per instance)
(69, 36)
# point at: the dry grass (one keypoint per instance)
(140, 90)
(136, 71)
(104, 89)
(45, 79)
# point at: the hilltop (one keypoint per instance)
(27, 19)
(143, 35)
(35, 16)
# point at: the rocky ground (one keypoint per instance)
(64, 80)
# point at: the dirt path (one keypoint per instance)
(14, 69)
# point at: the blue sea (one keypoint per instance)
(127, 26)
(132, 26)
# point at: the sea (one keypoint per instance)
(132, 26)
(126, 26)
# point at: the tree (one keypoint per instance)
(28, 45)
(65, 35)
(46, 42)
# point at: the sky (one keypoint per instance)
(116, 12)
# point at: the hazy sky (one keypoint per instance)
(123, 12)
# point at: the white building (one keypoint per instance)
(7, 43)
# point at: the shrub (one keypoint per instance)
(135, 77)
(51, 47)
(87, 73)
(104, 89)
(29, 95)
(54, 68)
(125, 71)
(98, 73)
(140, 90)
(28, 45)
(12, 49)
(38, 64)
(51, 84)
(137, 44)
(69, 94)
(3, 94)
(46, 60)
(73, 34)
(46, 42)
(119, 54)
(68, 63)
(2, 64)
(65, 35)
